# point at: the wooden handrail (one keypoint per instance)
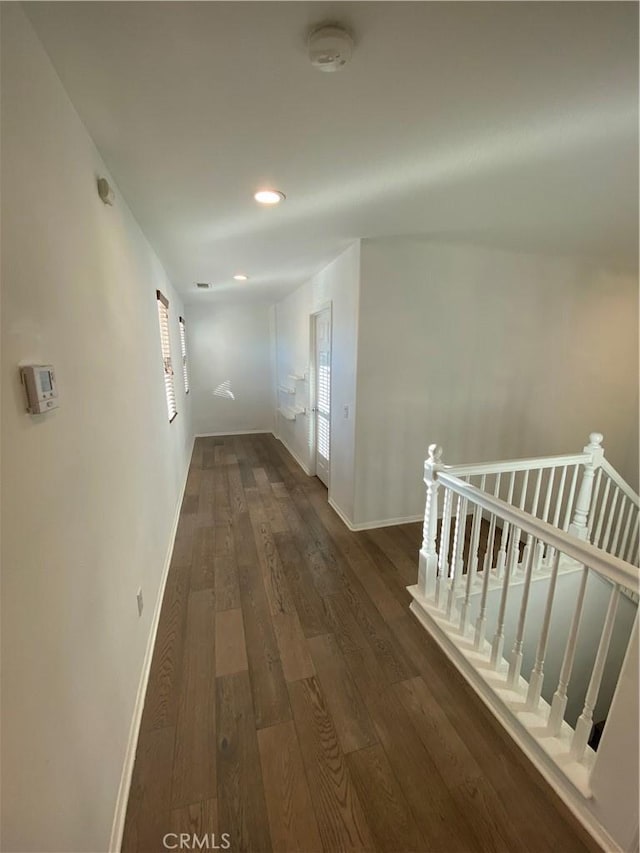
(478, 468)
(616, 570)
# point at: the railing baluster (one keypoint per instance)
(488, 557)
(585, 720)
(547, 497)
(475, 531)
(602, 513)
(502, 553)
(556, 513)
(481, 621)
(456, 559)
(560, 495)
(633, 539)
(534, 510)
(572, 492)
(627, 529)
(559, 703)
(523, 490)
(594, 503)
(536, 493)
(523, 498)
(618, 528)
(545, 515)
(443, 551)
(515, 663)
(612, 512)
(537, 673)
(498, 639)
(472, 568)
(459, 563)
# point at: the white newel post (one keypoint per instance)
(578, 526)
(428, 562)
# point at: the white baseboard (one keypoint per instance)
(388, 522)
(122, 799)
(304, 467)
(372, 525)
(346, 521)
(232, 432)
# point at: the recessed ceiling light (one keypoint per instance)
(269, 196)
(241, 277)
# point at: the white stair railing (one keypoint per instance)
(614, 515)
(579, 493)
(494, 530)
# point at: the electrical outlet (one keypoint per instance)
(140, 601)
(346, 411)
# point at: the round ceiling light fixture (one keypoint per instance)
(269, 196)
(330, 48)
(241, 277)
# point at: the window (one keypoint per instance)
(324, 403)
(183, 349)
(165, 342)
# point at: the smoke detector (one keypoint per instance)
(330, 48)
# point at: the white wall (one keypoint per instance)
(618, 758)
(230, 343)
(491, 354)
(90, 491)
(337, 284)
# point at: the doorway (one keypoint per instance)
(321, 391)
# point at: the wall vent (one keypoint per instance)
(203, 285)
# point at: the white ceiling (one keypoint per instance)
(514, 124)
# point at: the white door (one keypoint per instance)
(322, 386)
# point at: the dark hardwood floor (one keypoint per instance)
(296, 704)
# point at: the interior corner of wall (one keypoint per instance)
(341, 513)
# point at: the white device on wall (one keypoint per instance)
(40, 386)
(105, 191)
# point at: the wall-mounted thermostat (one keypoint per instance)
(40, 385)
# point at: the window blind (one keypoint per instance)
(324, 404)
(183, 348)
(165, 343)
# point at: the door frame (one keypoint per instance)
(312, 389)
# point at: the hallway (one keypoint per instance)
(294, 702)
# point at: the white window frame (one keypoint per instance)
(183, 350)
(165, 345)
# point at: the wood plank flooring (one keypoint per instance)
(295, 703)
